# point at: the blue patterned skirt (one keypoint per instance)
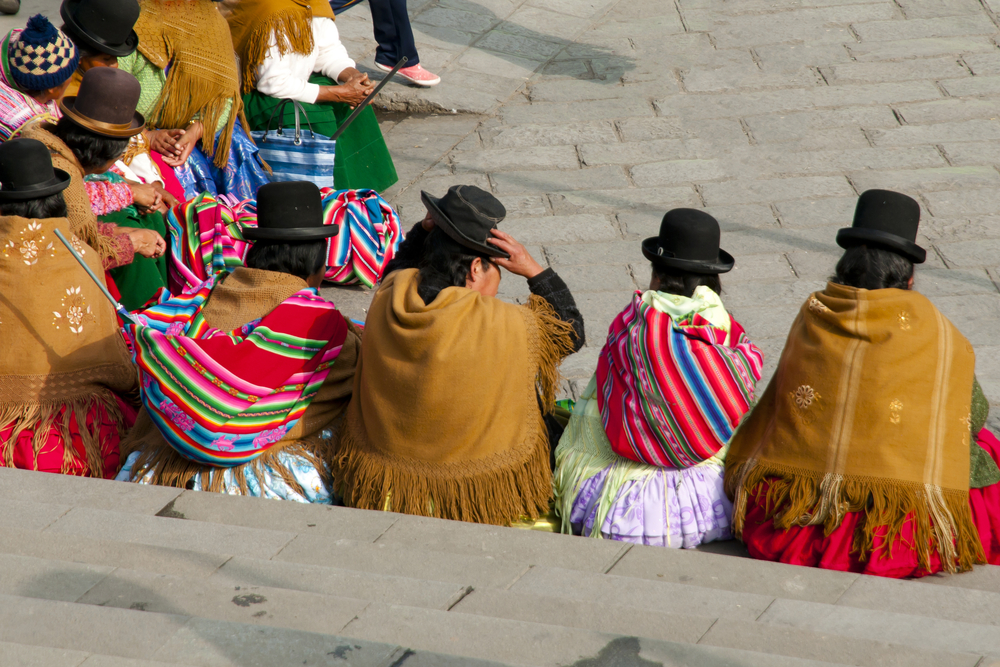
(243, 174)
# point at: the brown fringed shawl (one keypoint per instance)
(253, 22)
(81, 216)
(245, 295)
(61, 345)
(868, 411)
(193, 39)
(444, 420)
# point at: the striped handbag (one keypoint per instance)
(296, 157)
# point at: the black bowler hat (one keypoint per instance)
(467, 214)
(105, 103)
(102, 25)
(888, 220)
(688, 241)
(26, 171)
(291, 211)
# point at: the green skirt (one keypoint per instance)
(362, 161)
(138, 282)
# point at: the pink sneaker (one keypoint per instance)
(414, 74)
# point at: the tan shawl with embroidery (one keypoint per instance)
(868, 411)
(61, 345)
(444, 420)
(245, 295)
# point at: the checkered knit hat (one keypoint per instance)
(41, 57)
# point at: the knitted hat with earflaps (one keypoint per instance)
(42, 57)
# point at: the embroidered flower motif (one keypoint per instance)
(147, 380)
(224, 443)
(175, 329)
(895, 410)
(804, 396)
(817, 306)
(77, 244)
(904, 321)
(32, 244)
(269, 436)
(967, 420)
(176, 415)
(76, 312)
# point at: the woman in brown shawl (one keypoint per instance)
(857, 456)
(448, 414)
(63, 362)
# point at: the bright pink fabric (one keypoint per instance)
(806, 545)
(170, 182)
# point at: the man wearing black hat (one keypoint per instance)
(284, 267)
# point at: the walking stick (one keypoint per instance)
(367, 100)
(120, 309)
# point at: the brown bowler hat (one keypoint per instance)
(105, 103)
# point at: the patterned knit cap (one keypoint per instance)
(42, 57)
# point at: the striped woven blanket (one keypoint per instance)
(222, 399)
(672, 392)
(206, 238)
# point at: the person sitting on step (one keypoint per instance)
(641, 459)
(450, 415)
(244, 379)
(857, 456)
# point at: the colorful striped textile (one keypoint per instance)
(369, 236)
(221, 399)
(205, 238)
(16, 108)
(671, 393)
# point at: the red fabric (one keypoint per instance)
(50, 457)
(170, 182)
(807, 545)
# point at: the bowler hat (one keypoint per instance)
(290, 211)
(688, 241)
(467, 214)
(888, 220)
(102, 25)
(105, 103)
(26, 171)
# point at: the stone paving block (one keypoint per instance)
(771, 322)
(773, 128)
(336, 522)
(339, 582)
(674, 172)
(982, 577)
(714, 131)
(987, 365)
(775, 160)
(583, 364)
(582, 8)
(39, 656)
(952, 26)
(499, 8)
(255, 605)
(943, 111)
(713, 571)
(112, 661)
(519, 45)
(525, 19)
(448, 17)
(27, 485)
(925, 9)
(24, 515)
(477, 571)
(581, 111)
(954, 604)
(528, 206)
(982, 64)
(527, 546)
(562, 91)
(817, 212)
(583, 614)
(655, 150)
(660, 596)
(519, 136)
(513, 182)
(963, 202)
(793, 57)
(916, 632)
(515, 159)
(920, 48)
(938, 133)
(753, 293)
(975, 315)
(78, 627)
(211, 643)
(776, 189)
(870, 72)
(171, 533)
(927, 180)
(598, 310)
(752, 30)
(615, 252)
(970, 153)
(975, 86)
(764, 638)
(616, 279)
(658, 199)
(837, 138)
(952, 282)
(703, 80)
(47, 579)
(769, 267)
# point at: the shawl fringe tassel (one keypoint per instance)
(292, 30)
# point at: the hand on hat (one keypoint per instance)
(521, 263)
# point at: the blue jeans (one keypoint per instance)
(392, 30)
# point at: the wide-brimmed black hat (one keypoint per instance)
(467, 214)
(105, 103)
(688, 241)
(102, 25)
(291, 211)
(888, 220)
(26, 171)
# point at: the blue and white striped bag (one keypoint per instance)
(298, 156)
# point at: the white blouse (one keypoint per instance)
(287, 76)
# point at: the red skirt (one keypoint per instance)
(807, 545)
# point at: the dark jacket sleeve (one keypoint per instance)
(408, 255)
(551, 287)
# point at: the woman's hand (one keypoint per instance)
(189, 138)
(164, 142)
(521, 263)
(146, 197)
(352, 92)
(147, 243)
(169, 201)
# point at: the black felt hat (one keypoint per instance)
(888, 220)
(467, 214)
(26, 171)
(688, 241)
(102, 25)
(291, 211)
(105, 103)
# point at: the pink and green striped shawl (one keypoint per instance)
(671, 393)
(206, 238)
(369, 236)
(221, 399)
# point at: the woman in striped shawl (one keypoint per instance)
(641, 459)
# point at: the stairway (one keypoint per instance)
(104, 574)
